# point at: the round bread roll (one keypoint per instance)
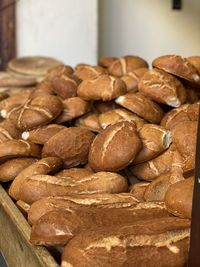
(70, 144)
(115, 147)
(142, 106)
(178, 66)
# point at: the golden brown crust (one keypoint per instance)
(73, 107)
(87, 72)
(103, 87)
(71, 145)
(89, 121)
(155, 140)
(42, 134)
(115, 147)
(43, 166)
(162, 88)
(142, 106)
(117, 115)
(178, 66)
(11, 168)
(178, 198)
(38, 186)
(126, 64)
(152, 243)
(35, 112)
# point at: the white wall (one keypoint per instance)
(64, 29)
(149, 28)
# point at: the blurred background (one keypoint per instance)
(81, 30)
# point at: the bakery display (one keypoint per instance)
(100, 159)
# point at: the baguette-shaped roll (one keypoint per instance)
(87, 72)
(73, 107)
(178, 198)
(159, 242)
(72, 202)
(71, 145)
(57, 227)
(117, 115)
(104, 88)
(42, 134)
(126, 64)
(38, 186)
(11, 168)
(162, 88)
(142, 106)
(178, 66)
(43, 166)
(18, 148)
(155, 140)
(35, 112)
(149, 170)
(115, 147)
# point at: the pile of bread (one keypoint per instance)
(101, 159)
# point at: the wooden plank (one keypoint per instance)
(14, 238)
(7, 32)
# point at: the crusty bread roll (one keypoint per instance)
(115, 147)
(71, 145)
(104, 88)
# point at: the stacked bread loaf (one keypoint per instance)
(101, 158)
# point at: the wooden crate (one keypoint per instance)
(14, 238)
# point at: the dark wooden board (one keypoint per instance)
(14, 238)
(7, 32)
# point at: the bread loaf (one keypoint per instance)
(43, 166)
(162, 88)
(50, 230)
(11, 168)
(126, 64)
(42, 134)
(152, 243)
(149, 170)
(178, 66)
(142, 106)
(45, 87)
(58, 71)
(71, 145)
(23, 207)
(155, 140)
(36, 187)
(104, 106)
(35, 112)
(115, 147)
(117, 115)
(89, 121)
(87, 72)
(73, 202)
(104, 88)
(75, 173)
(178, 198)
(65, 86)
(195, 61)
(73, 107)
